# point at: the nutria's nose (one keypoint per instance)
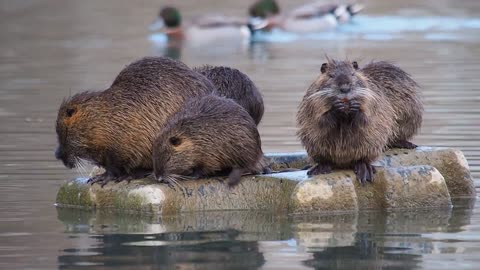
(345, 88)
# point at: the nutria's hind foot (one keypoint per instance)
(137, 174)
(364, 172)
(320, 168)
(306, 167)
(101, 179)
(402, 144)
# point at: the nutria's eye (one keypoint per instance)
(70, 112)
(355, 64)
(175, 141)
(331, 75)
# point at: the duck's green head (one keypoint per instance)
(168, 17)
(171, 16)
(264, 9)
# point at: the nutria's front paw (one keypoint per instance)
(354, 107)
(320, 168)
(364, 172)
(338, 106)
(101, 179)
(402, 144)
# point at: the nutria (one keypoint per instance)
(404, 95)
(115, 128)
(349, 115)
(212, 135)
(232, 83)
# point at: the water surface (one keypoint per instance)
(50, 49)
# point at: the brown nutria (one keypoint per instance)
(212, 135)
(232, 83)
(345, 120)
(404, 95)
(115, 128)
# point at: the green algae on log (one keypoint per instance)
(403, 182)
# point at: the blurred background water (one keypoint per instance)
(50, 49)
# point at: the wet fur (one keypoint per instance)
(232, 83)
(217, 137)
(383, 91)
(329, 137)
(115, 128)
(403, 93)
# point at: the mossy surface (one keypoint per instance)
(75, 194)
(395, 186)
(119, 197)
(253, 193)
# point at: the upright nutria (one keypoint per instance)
(115, 128)
(232, 83)
(349, 115)
(209, 136)
(404, 95)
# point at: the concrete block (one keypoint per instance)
(292, 192)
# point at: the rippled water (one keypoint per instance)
(50, 49)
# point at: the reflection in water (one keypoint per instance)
(49, 53)
(171, 244)
(257, 51)
(168, 251)
(238, 240)
(167, 47)
(364, 254)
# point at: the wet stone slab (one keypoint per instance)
(451, 163)
(405, 179)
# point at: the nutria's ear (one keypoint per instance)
(323, 69)
(175, 141)
(355, 64)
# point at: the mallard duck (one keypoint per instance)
(312, 17)
(204, 29)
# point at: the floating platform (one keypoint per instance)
(422, 178)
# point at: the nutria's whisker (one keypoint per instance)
(171, 180)
(76, 165)
(323, 94)
(183, 177)
(79, 164)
